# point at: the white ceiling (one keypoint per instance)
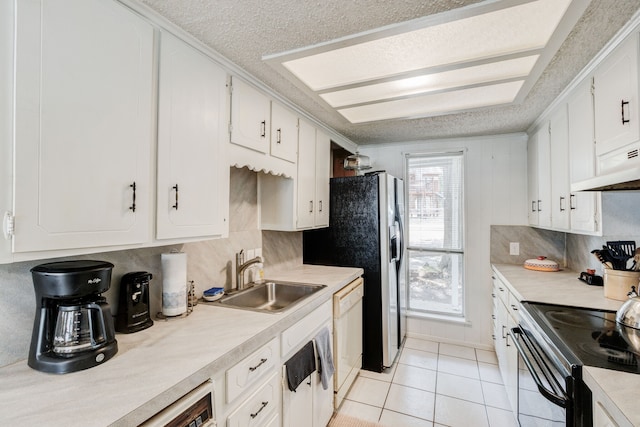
(247, 31)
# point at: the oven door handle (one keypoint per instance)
(551, 395)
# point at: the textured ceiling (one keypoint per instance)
(244, 31)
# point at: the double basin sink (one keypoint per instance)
(270, 296)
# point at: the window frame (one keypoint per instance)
(436, 314)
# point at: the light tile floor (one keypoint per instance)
(433, 385)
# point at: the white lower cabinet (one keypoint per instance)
(249, 371)
(259, 408)
(310, 405)
(505, 317)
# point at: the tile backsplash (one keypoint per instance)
(210, 263)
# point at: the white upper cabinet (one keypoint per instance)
(539, 175)
(583, 205)
(250, 117)
(532, 181)
(306, 176)
(323, 174)
(559, 146)
(303, 201)
(617, 112)
(284, 133)
(313, 177)
(193, 175)
(83, 125)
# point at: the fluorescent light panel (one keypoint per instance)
(433, 65)
(481, 36)
(435, 104)
(481, 74)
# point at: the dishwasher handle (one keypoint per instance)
(348, 297)
(554, 396)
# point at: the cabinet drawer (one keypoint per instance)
(501, 290)
(260, 407)
(514, 307)
(296, 334)
(251, 369)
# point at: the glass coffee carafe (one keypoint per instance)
(78, 328)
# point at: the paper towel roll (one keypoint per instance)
(174, 283)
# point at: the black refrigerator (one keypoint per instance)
(366, 230)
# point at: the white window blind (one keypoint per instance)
(435, 226)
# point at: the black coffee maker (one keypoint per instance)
(73, 327)
(133, 304)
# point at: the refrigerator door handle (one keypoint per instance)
(393, 248)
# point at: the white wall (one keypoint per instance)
(495, 193)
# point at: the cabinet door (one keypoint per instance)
(284, 133)
(544, 177)
(250, 112)
(83, 125)
(559, 146)
(532, 179)
(297, 407)
(306, 184)
(582, 204)
(323, 174)
(616, 98)
(191, 131)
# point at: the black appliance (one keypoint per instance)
(554, 343)
(365, 230)
(73, 327)
(133, 303)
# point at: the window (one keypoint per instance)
(435, 233)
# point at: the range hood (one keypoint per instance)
(619, 171)
(622, 180)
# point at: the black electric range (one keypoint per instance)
(554, 343)
(588, 336)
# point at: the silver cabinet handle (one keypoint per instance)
(310, 206)
(263, 129)
(278, 136)
(320, 203)
(562, 209)
(571, 205)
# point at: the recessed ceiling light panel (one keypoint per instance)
(436, 104)
(494, 45)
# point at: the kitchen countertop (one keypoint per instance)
(156, 366)
(618, 391)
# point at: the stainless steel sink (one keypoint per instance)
(270, 296)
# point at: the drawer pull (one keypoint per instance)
(132, 208)
(255, 414)
(622, 104)
(253, 368)
(514, 307)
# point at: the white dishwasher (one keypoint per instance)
(347, 337)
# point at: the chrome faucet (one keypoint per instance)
(241, 266)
